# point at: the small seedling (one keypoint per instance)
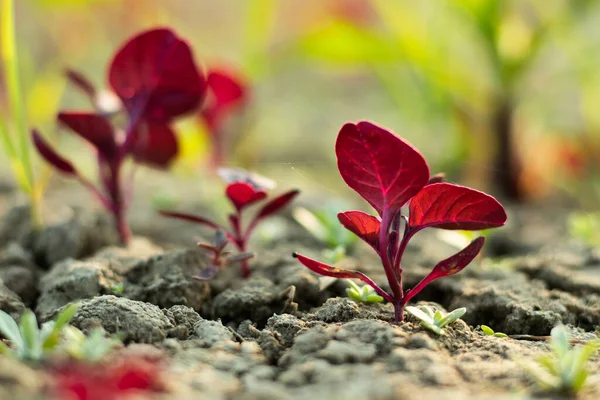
(153, 90)
(91, 348)
(243, 189)
(435, 321)
(389, 173)
(27, 340)
(324, 226)
(220, 258)
(362, 294)
(487, 331)
(565, 370)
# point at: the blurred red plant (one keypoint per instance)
(389, 173)
(156, 80)
(243, 190)
(119, 379)
(227, 95)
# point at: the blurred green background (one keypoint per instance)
(500, 94)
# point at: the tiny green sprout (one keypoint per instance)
(28, 341)
(564, 370)
(487, 331)
(362, 294)
(435, 321)
(117, 288)
(90, 348)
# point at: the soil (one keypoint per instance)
(283, 333)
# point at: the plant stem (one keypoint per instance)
(386, 221)
(21, 155)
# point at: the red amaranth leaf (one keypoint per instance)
(450, 266)
(51, 156)
(243, 194)
(155, 76)
(382, 168)
(79, 80)
(276, 204)
(226, 91)
(189, 217)
(335, 272)
(155, 145)
(94, 128)
(449, 206)
(363, 225)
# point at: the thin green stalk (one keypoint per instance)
(20, 155)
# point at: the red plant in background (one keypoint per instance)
(156, 80)
(388, 173)
(118, 380)
(243, 190)
(227, 94)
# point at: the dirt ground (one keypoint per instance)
(282, 334)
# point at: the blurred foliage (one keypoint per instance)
(437, 72)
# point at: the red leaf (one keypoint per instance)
(449, 206)
(51, 156)
(385, 170)
(155, 76)
(276, 204)
(79, 80)
(94, 128)
(335, 272)
(226, 92)
(243, 194)
(155, 144)
(450, 266)
(363, 225)
(189, 217)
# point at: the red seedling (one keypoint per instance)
(220, 257)
(389, 173)
(244, 189)
(120, 379)
(156, 80)
(227, 95)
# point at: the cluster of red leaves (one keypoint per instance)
(120, 379)
(389, 173)
(243, 190)
(156, 80)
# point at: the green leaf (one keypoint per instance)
(559, 341)
(487, 330)
(374, 298)
(30, 332)
(419, 314)
(10, 330)
(429, 311)
(500, 335)
(452, 316)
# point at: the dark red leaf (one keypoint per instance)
(363, 225)
(79, 80)
(335, 272)
(437, 178)
(51, 156)
(189, 217)
(155, 76)
(385, 170)
(226, 91)
(155, 144)
(277, 204)
(243, 194)
(449, 206)
(94, 128)
(450, 266)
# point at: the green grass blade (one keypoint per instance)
(10, 330)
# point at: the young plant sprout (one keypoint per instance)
(435, 321)
(565, 370)
(323, 225)
(389, 173)
(220, 258)
(27, 340)
(487, 331)
(362, 294)
(243, 189)
(227, 95)
(155, 80)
